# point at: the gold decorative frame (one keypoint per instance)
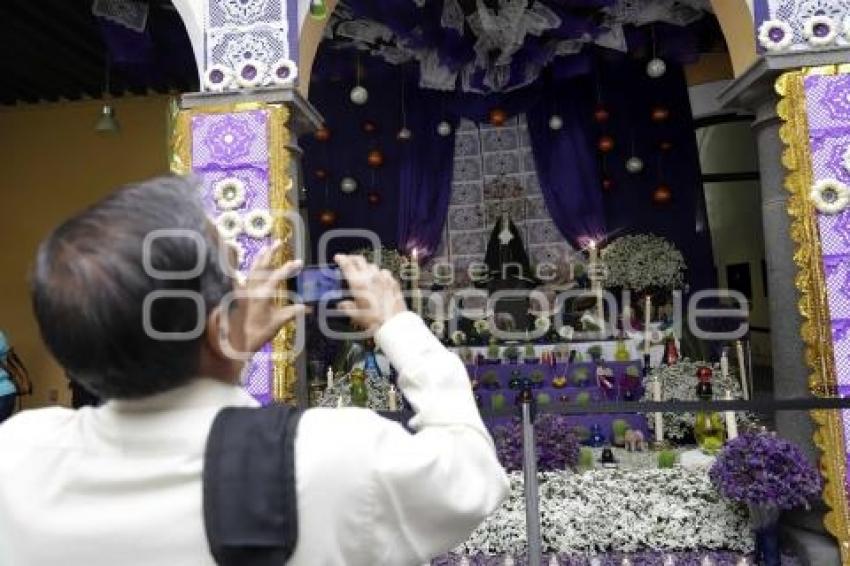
(814, 307)
(284, 380)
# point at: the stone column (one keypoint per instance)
(754, 91)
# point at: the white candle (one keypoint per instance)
(724, 365)
(658, 416)
(393, 403)
(731, 423)
(647, 308)
(739, 347)
(596, 285)
(417, 296)
(330, 375)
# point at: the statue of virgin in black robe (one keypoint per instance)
(507, 261)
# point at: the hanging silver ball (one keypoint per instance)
(359, 95)
(404, 134)
(634, 165)
(444, 129)
(348, 185)
(656, 68)
(556, 122)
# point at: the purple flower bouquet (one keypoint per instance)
(768, 474)
(557, 445)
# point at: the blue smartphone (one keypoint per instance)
(318, 283)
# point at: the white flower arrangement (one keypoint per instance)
(250, 73)
(258, 223)
(438, 328)
(542, 323)
(679, 383)
(377, 386)
(458, 338)
(284, 72)
(642, 262)
(616, 511)
(775, 35)
(820, 30)
(218, 78)
(229, 193)
(566, 332)
(229, 225)
(830, 196)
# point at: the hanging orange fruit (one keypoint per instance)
(665, 145)
(662, 195)
(660, 114)
(498, 117)
(369, 127)
(323, 134)
(601, 114)
(321, 174)
(605, 144)
(327, 217)
(607, 184)
(373, 198)
(375, 158)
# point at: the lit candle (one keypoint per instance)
(647, 308)
(731, 423)
(724, 365)
(330, 375)
(658, 416)
(393, 402)
(739, 347)
(596, 284)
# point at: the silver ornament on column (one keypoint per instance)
(634, 165)
(444, 128)
(656, 68)
(556, 122)
(348, 185)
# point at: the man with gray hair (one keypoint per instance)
(179, 466)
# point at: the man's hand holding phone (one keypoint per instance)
(375, 294)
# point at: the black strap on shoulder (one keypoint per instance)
(250, 509)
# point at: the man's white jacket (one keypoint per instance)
(120, 485)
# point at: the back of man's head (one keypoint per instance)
(91, 281)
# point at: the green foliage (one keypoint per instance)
(583, 398)
(667, 459)
(582, 433)
(490, 377)
(619, 427)
(529, 351)
(581, 375)
(585, 458)
(493, 351)
(537, 376)
(544, 398)
(511, 353)
(595, 352)
(497, 402)
(633, 371)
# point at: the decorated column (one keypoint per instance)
(238, 136)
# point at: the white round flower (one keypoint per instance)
(250, 73)
(481, 325)
(775, 35)
(284, 72)
(229, 225)
(258, 223)
(229, 193)
(830, 196)
(438, 328)
(542, 323)
(458, 337)
(217, 78)
(820, 30)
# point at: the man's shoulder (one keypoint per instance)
(33, 424)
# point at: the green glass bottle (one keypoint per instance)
(357, 388)
(318, 9)
(709, 428)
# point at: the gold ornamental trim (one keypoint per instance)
(814, 307)
(284, 375)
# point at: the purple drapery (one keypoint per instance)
(566, 168)
(426, 174)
